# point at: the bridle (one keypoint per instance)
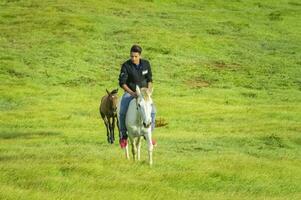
(140, 119)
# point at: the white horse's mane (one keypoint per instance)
(146, 94)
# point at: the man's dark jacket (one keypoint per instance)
(133, 75)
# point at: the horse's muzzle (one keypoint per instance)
(146, 125)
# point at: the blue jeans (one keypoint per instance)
(124, 105)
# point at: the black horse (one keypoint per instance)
(107, 109)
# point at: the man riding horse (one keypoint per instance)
(135, 71)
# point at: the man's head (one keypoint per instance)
(135, 54)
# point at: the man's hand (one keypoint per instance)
(134, 94)
(128, 90)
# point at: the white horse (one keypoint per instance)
(138, 123)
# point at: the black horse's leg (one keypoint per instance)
(117, 122)
(106, 123)
(110, 129)
(113, 129)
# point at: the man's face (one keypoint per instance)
(135, 57)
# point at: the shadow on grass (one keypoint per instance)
(25, 135)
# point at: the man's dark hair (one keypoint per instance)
(136, 48)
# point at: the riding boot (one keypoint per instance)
(123, 140)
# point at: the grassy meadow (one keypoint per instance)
(227, 78)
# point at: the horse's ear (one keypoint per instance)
(150, 90)
(108, 92)
(138, 90)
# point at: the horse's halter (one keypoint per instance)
(144, 108)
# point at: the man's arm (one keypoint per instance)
(123, 79)
(128, 90)
(149, 76)
(149, 85)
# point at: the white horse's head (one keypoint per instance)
(144, 103)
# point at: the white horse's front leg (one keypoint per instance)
(138, 145)
(150, 148)
(126, 149)
(127, 152)
(134, 148)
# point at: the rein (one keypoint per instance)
(139, 118)
(136, 103)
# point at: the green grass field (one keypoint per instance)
(227, 78)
